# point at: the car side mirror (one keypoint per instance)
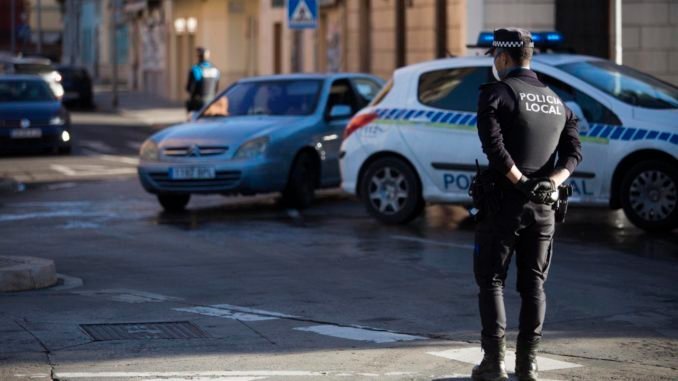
(340, 112)
(583, 123)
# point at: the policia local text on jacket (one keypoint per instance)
(521, 122)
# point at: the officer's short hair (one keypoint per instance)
(520, 55)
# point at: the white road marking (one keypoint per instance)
(223, 313)
(97, 146)
(86, 170)
(474, 355)
(223, 375)
(360, 334)
(433, 242)
(70, 282)
(61, 186)
(121, 159)
(129, 296)
(64, 213)
(133, 145)
(252, 311)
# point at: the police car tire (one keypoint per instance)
(669, 223)
(300, 190)
(174, 202)
(414, 204)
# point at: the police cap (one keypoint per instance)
(510, 38)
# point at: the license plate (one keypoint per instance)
(192, 173)
(26, 133)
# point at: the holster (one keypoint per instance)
(560, 206)
(486, 194)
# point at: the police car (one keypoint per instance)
(417, 141)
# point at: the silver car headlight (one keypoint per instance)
(149, 150)
(253, 148)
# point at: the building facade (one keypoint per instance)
(251, 37)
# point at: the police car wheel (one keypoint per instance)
(391, 191)
(649, 196)
(300, 189)
(174, 202)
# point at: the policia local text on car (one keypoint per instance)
(531, 140)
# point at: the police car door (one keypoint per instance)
(442, 132)
(588, 181)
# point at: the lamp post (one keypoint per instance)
(12, 15)
(114, 28)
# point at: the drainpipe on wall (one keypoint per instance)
(618, 32)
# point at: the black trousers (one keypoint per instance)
(526, 229)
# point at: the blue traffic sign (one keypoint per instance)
(302, 14)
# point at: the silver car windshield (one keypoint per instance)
(626, 84)
(275, 98)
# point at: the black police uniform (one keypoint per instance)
(203, 80)
(521, 122)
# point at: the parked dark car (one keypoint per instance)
(77, 85)
(31, 117)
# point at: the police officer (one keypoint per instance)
(532, 143)
(203, 80)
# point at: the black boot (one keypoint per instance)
(492, 368)
(526, 360)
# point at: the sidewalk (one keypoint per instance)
(134, 108)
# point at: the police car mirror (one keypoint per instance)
(340, 112)
(577, 110)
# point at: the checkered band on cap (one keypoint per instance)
(510, 44)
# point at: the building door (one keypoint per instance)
(586, 32)
(277, 48)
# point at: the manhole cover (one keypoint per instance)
(144, 331)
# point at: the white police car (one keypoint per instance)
(417, 141)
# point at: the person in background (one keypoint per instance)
(203, 81)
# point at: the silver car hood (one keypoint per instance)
(230, 131)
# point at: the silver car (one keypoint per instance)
(267, 134)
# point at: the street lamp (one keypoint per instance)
(191, 24)
(180, 25)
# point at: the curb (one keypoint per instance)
(26, 273)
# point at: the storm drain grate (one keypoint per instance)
(144, 331)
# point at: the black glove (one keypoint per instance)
(537, 190)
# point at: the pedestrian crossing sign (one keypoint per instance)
(302, 14)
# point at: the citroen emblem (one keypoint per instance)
(194, 151)
(25, 123)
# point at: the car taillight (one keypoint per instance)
(358, 122)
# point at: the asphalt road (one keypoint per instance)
(244, 289)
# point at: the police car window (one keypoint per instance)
(627, 85)
(452, 89)
(366, 89)
(594, 111)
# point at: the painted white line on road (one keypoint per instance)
(121, 159)
(360, 334)
(233, 375)
(188, 374)
(223, 313)
(65, 213)
(97, 146)
(129, 296)
(254, 311)
(474, 355)
(69, 282)
(87, 170)
(209, 379)
(432, 242)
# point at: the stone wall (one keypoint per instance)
(650, 37)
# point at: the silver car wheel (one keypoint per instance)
(653, 195)
(388, 190)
